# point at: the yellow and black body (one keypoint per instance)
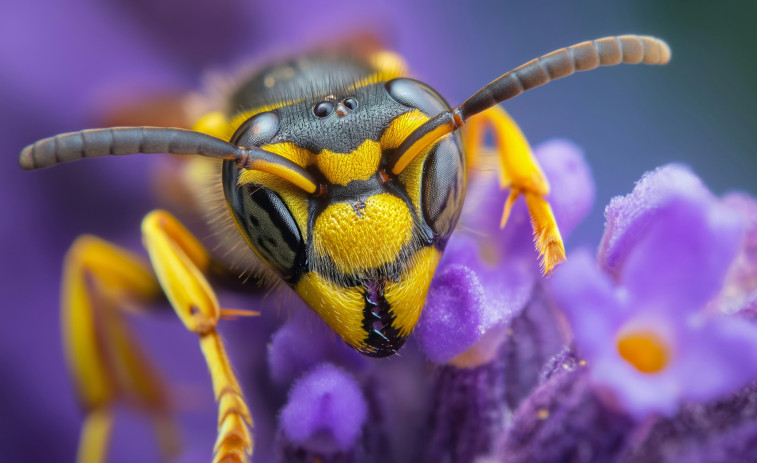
(363, 250)
(342, 176)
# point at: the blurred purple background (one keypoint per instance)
(64, 64)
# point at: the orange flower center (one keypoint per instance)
(645, 351)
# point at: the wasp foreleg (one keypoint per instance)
(521, 173)
(179, 261)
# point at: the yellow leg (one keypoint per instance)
(100, 280)
(179, 261)
(520, 172)
(95, 436)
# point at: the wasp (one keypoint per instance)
(338, 175)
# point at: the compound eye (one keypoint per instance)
(265, 220)
(323, 109)
(414, 94)
(443, 188)
(350, 103)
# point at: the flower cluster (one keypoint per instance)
(644, 353)
(484, 335)
(657, 371)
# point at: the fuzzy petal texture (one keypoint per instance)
(564, 420)
(643, 327)
(326, 411)
(739, 293)
(628, 217)
(457, 320)
(504, 264)
(468, 413)
(682, 260)
(304, 341)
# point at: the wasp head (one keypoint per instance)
(361, 251)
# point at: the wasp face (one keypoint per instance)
(362, 252)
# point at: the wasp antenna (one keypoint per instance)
(608, 51)
(150, 140)
(585, 56)
(120, 141)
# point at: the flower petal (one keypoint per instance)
(326, 410)
(628, 217)
(571, 182)
(680, 262)
(454, 316)
(304, 341)
(508, 282)
(740, 289)
(718, 355)
(590, 303)
(639, 394)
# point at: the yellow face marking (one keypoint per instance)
(289, 150)
(408, 296)
(341, 308)
(400, 127)
(338, 168)
(362, 236)
(412, 177)
(342, 168)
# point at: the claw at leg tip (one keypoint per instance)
(552, 255)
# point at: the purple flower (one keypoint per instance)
(467, 414)
(723, 431)
(78, 60)
(643, 329)
(532, 340)
(628, 217)
(739, 293)
(562, 420)
(481, 285)
(326, 411)
(305, 340)
(486, 278)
